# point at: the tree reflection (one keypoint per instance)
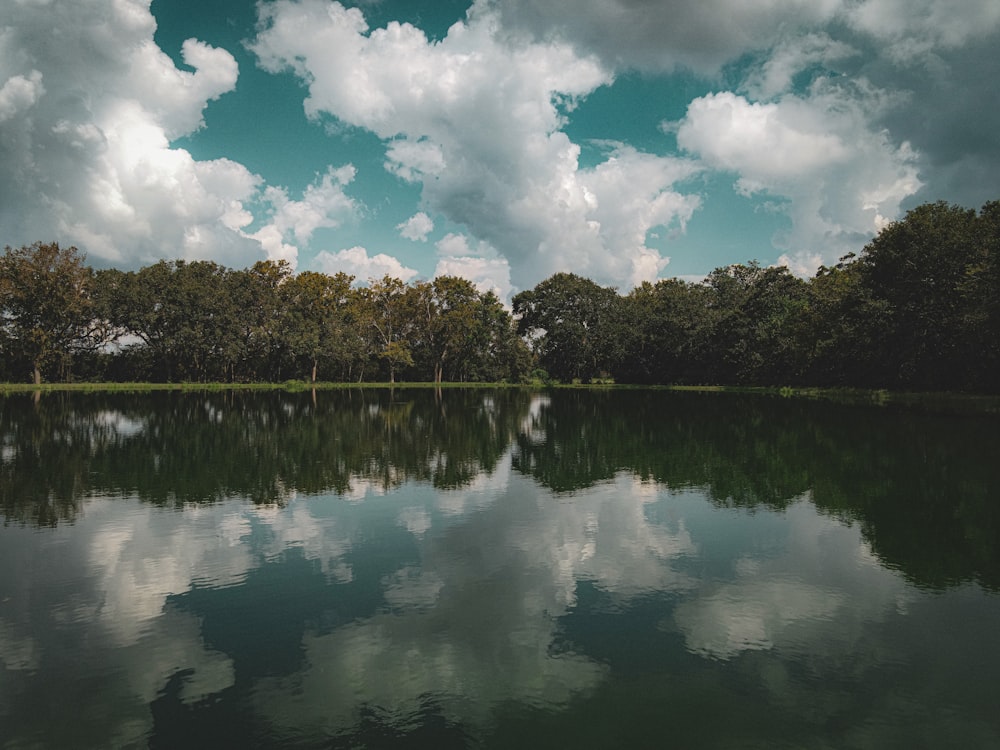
(175, 448)
(922, 487)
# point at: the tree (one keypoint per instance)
(46, 308)
(495, 351)
(755, 312)
(984, 319)
(256, 293)
(185, 313)
(578, 327)
(447, 314)
(316, 317)
(392, 307)
(923, 267)
(668, 322)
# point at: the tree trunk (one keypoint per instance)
(315, 365)
(38, 374)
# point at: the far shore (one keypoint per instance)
(943, 402)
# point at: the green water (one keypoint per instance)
(497, 569)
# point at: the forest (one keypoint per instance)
(918, 308)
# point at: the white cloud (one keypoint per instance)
(486, 274)
(414, 159)
(913, 28)
(356, 262)
(841, 177)
(324, 205)
(417, 227)
(765, 143)
(792, 56)
(89, 106)
(665, 35)
(454, 245)
(476, 119)
(630, 197)
(19, 93)
(477, 262)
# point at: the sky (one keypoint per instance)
(499, 140)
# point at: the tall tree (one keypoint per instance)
(755, 314)
(46, 306)
(316, 310)
(256, 293)
(842, 330)
(668, 324)
(392, 306)
(184, 312)
(985, 322)
(495, 352)
(578, 327)
(447, 310)
(921, 267)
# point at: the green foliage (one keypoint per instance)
(577, 327)
(46, 307)
(925, 270)
(918, 308)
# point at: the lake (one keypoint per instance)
(496, 569)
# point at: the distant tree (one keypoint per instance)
(393, 310)
(578, 327)
(46, 306)
(446, 311)
(984, 320)
(316, 318)
(495, 352)
(185, 314)
(667, 328)
(258, 348)
(755, 314)
(924, 268)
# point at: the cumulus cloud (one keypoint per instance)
(486, 274)
(912, 28)
(417, 227)
(477, 120)
(840, 178)
(776, 74)
(89, 107)
(86, 146)
(356, 262)
(19, 93)
(324, 204)
(476, 261)
(662, 36)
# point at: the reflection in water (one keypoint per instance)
(482, 568)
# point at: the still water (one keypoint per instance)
(477, 568)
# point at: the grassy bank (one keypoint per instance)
(963, 403)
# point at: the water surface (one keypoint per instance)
(476, 568)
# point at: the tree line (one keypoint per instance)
(202, 322)
(917, 308)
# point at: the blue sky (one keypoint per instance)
(502, 140)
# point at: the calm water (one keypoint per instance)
(495, 569)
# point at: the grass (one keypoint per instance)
(964, 403)
(288, 385)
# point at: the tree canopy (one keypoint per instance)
(917, 308)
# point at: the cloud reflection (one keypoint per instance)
(815, 594)
(464, 599)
